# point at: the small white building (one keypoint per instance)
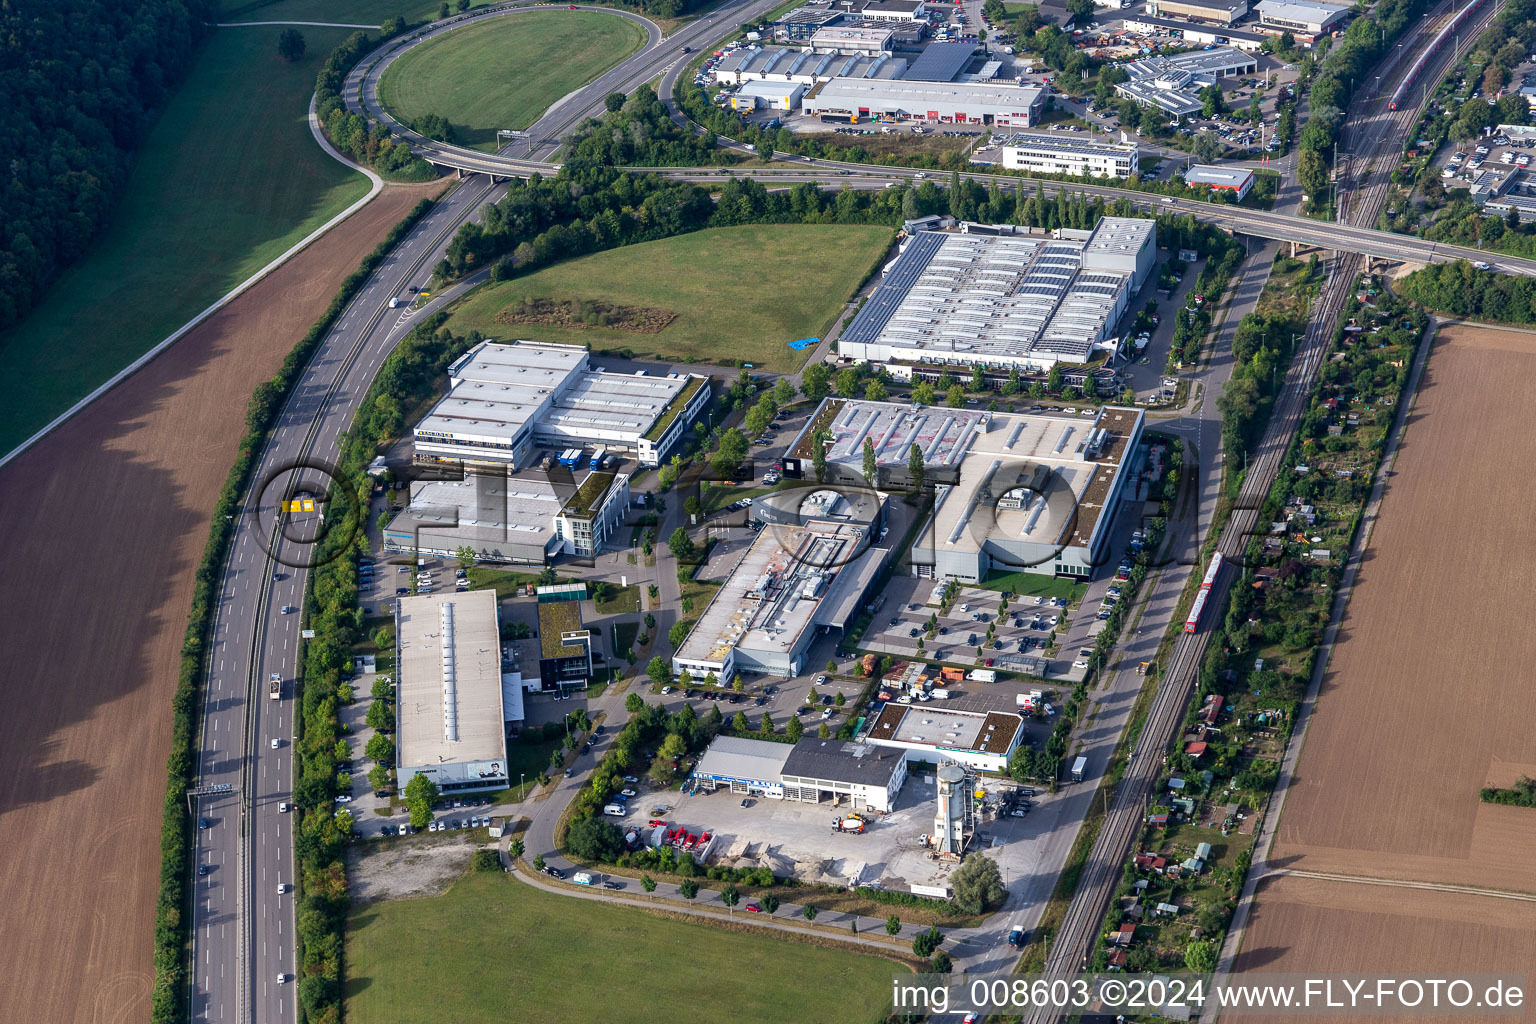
(907, 11)
(1214, 12)
(1057, 153)
(867, 777)
(773, 95)
(746, 766)
(1237, 182)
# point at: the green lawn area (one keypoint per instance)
(624, 634)
(491, 942)
(740, 293)
(227, 179)
(500, 74)
(1030, 584)
(620, 600)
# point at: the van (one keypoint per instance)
(617, 810)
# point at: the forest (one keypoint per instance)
(82, 79)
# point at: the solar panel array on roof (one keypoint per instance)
(940, 62)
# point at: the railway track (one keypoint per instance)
(1375, 134)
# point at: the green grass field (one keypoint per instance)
(499, 74)
(227, 179)
(492, 943)
(739, 293)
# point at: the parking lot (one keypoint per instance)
(796, 839)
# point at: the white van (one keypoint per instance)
(617, 810)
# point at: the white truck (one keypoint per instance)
(582, 878)
(275, 686)
(982, 675)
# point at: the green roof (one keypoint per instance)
(589, 494)
(675, 407)
(555, 618)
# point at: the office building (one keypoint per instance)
(1212, 12)
(998, 103)
(1174, 83)
(1059, 153)
(1302, 18)
(1237, 182)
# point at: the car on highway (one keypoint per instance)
(282, 979)
(275, 743)
(289, 609)
(282, 887)
(204, 823)
(203, 869)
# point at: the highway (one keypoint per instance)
(243, 941)
(242, 927)
(1372, 138)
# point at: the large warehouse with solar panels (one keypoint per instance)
(1003, 300)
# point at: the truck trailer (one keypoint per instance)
(275, 686)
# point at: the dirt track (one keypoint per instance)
(1426, 700)
(104, 523)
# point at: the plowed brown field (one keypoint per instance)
(104, 521)
(1428, 696)
(1304, 925)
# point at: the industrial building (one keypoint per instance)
(1174, 83)
(891, 10)
(1051, 153)
(1237, 182)
(1033, 494)
(1303, 18)
(450, 723)
(507, 401)
(941, 62)
(1003, 300)
(526, 518)
(1202, 35)
(791, 584)
(503, 518)
(976, 738)
(1002, 103)
(853, 39)
(773, 95)
(1014, 492)
(805, 67)
(1213, 12)
(867, 777)
(800, 24)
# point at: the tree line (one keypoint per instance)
(81, 80)
(1460, 289)
(367, 143)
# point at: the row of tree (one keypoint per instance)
(81, 80)
(353, 134)
(1459, 289)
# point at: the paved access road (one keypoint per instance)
(242, 927)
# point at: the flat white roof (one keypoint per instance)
(775, 590)
(736, 757)
(484, 507)
(524, 363)
(1056, 142)
(1300, 10)
(450, 709)
(1224, 177)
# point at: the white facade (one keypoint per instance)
(1049, 153)
(1302, 16)
(774, 95)
(981, 740)
(1000, 103)
(506, 401)
(852, 40)
(1238, 181)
